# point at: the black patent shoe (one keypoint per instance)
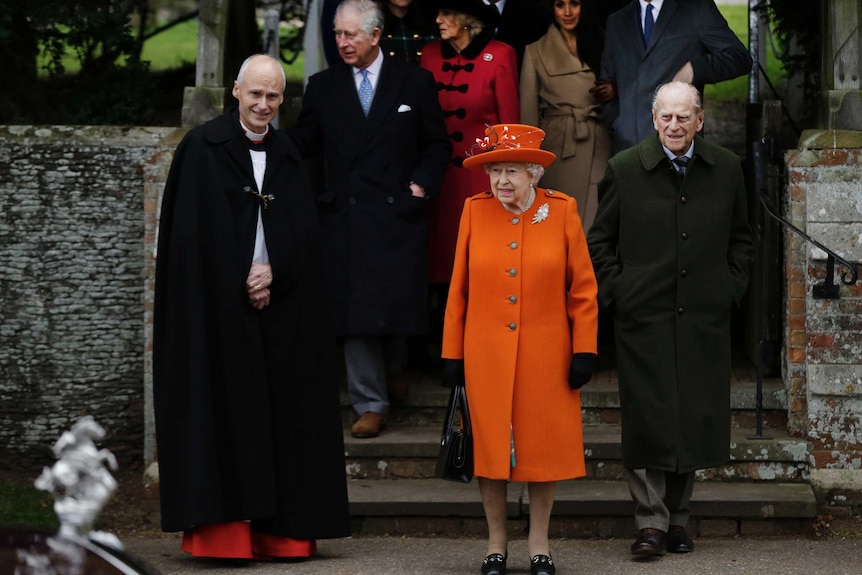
(494, 564)
(542, 565)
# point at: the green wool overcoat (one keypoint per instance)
(672, 258)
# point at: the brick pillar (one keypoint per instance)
(823, 337)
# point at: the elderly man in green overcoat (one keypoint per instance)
(671, 246)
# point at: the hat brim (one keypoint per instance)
(485, 13)
(530, 155)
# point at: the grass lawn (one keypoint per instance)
(177, 46)
(737, 89)
(22, 504)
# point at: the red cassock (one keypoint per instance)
(476, 87)
(236, 540)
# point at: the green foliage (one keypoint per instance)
(111, 85)
(797, 28)
(21, 504)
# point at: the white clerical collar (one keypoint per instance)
(251, 135)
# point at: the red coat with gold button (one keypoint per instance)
(477, 87)
(521, 301)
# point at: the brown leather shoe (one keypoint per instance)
(369, 425)
(678, 540)
(649, 542)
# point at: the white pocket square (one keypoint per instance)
(404, 108)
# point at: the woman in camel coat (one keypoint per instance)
(520, 327)
(557, 76)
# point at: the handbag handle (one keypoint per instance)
(458, 400)
(465, 411)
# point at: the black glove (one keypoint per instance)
(453, 372)
(581, 370)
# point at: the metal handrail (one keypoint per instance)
(827, 290)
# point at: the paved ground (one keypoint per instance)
(410, 556)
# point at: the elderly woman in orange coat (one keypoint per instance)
(520, 328)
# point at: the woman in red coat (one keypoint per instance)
(520, 328)
(477, 85)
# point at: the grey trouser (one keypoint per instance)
(366, 373)
(661, 497)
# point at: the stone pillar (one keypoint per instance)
(205, 100)
(823, 337)
(842, 64)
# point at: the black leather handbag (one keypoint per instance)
(455, 460)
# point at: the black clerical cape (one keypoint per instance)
(246, 401)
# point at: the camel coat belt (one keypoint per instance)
(576, 125)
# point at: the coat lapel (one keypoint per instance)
(226, 131)
(667, 11)
(347, 99)
(555, 55)
(384, 96)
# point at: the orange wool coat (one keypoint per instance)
(522, 300)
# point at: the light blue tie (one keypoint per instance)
(365, 92)
(649, 23)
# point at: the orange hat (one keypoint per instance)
(509, 143)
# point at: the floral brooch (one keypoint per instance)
(541, 214)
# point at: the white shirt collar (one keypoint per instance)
(373, 70)
(688, 154)
(656, 8)
(499, 5)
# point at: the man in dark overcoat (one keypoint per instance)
(248, 424)
(690, 41)
(522, 22)
(381, 166)
(671, 247)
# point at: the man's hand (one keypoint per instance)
(604, 91)
(417, 190)
(685, 74)
(259, 299)
(257, 284)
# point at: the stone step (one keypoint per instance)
(410, 452)
(425, 404)
(582, 508)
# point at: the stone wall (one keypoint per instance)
(71, 284)
(823, 337)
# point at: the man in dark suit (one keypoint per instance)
(522, 22)
(671, 247)
(378, 124)
(651, 42)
